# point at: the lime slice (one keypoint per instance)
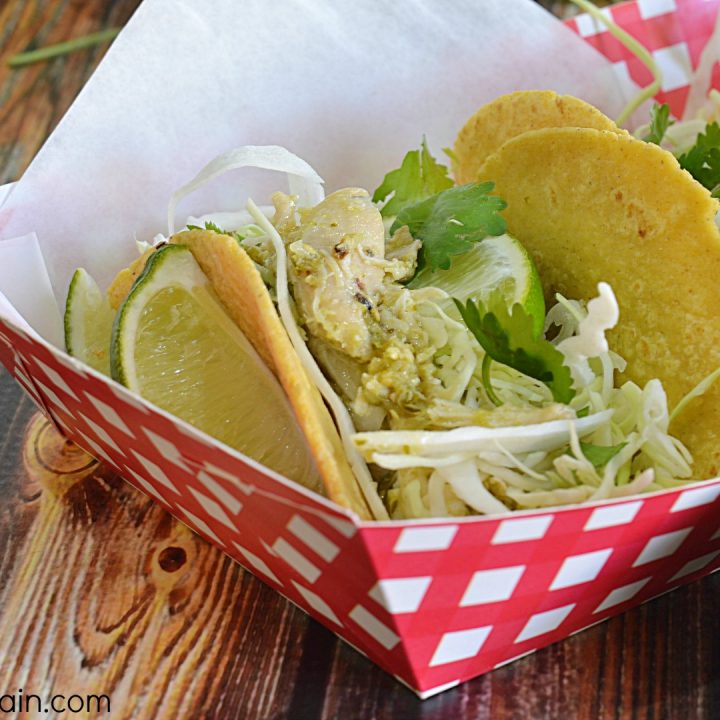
(496, 264)
(88, 322)
(174, 344)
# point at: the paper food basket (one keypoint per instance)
(432, 602)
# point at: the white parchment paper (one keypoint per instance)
(350, 87)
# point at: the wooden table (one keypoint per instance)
(101, 592)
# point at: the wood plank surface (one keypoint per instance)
(101, 592)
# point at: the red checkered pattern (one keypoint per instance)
(434, 603)
(674, 31)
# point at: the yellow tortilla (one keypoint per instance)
(240, 288)
(122, 283)
(592, 205)
(513, 114)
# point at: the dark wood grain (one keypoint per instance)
(103, 592)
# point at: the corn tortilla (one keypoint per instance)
(593, 205)
(240, 288)
(510, 115)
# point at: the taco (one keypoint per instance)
(514, 114)
(591, 205)
(417, 319)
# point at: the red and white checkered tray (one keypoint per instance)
(674, 31)
(432, 602)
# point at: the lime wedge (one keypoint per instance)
(88, 322)
(174, 344)
(496, 264)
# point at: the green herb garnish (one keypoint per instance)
(450, 222)
(702, 160)
(659, 123)
(508, 337)
(419, 177)
(217, 229)
(600, 455)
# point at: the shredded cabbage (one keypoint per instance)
(542, 464)
(340, 412)
(304, 182)
(448, 449)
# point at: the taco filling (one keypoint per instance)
(458, 383)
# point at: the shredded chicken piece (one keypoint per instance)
(334, 270)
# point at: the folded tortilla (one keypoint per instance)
(242, 291)
(513, 114)
(591, 206)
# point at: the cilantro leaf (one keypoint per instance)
(659, 123)
(508, 337)
(600, 455)
(419, 177)
(450, 222)
(702, 160)
(217, 229)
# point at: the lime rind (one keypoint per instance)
(174, 344)
(88, 322)
(184, 273)
(498, 263)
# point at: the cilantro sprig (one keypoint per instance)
(447, 219)
(600, 455)
(217, 229)
(452, 221)
(508, 336)
(702, 160)
(659, 123)
(418, 177)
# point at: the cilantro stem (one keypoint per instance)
(487, 384)
(636, 49)
(63, 48)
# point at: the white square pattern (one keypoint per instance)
(47, 392)
(604, 517)
(297, 560)
(155, 471)
(460, 645)
(696, 497)
(510, 531)
(544, 622)
(110, 414)
(213, 508)
(489, 586)
(56, 380)
(400, 595)
(588, 26)
(621, 595)
(674, 62)
(200, 525)
(225, 498)
(424, 539)
(578, 569)
(317, 603)
(373, 627)
(661, 546)
(146, 486)
(257, 562)
(694, 565)
(167, 449)
(653, 8)
(314, 539)
(101, 433)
